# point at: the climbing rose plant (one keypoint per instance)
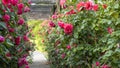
(15, 45)
(84, 35)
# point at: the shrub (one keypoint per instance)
(15, 45)
(85, 35)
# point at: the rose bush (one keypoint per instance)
(15, 45)
(85, 35)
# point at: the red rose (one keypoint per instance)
(68, 28)
(95, 7)
(6, 17)
(20, 6)
(8, 54)
(88, 5)
(61, 24)
(25, 38)
(11, 29)
(21, 21)
(5, 2)
(17, 40)
(110, 30)
(14, 2)
(71, 12)
(19, 12)
(104, 6)
(4, 11)
(51, 24)
(97, 64)
(79, 5)
(22, 61)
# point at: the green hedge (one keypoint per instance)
(85, 35)
(15, 45)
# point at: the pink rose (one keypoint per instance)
(63, 55)
(105, 66)
(61, 24)
(17, 40)
(97, 64)
(62, 2)
(51, 24)
(54, 16)
(6, 17)
(68, 47)
(68, 28)
(21, 21)
(26, 9)
(2, 39)
(95, 7)
(29, 1)
(27, 66)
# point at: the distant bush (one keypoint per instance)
(37, 33)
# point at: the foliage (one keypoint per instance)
(15, 45)
(93, 40)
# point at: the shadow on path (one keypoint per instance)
(39, 61)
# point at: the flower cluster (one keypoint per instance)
(98, 65)
(23, 61)
(87, 6)
(68, 28)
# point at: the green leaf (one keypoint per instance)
(2, 58)
(2, 24)
(108, 53)
(116, 6)
(9, 43)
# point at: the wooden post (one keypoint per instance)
(58, 5)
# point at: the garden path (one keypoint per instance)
(39, 60)
(40, 9)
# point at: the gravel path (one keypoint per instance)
(39, 61)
